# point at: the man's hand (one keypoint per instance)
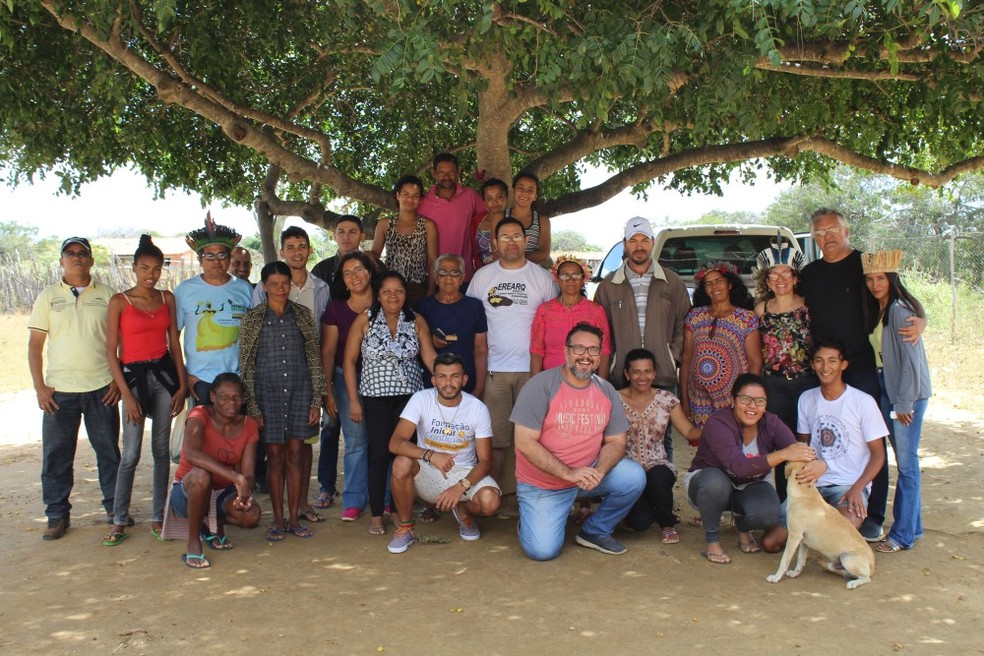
(449, 499)
(192, 381)
(46, 399)
(855, 502)
(314, 415)
(586, 478)
(905, 418)
(910, 334)
(438, 342)
(811, 472)
(443, 462)
(112, 395)
(331, 405)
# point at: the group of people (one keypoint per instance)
(459, 362)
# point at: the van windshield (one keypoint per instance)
(686, 254)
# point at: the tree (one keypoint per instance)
(571, 241)
(316, 102)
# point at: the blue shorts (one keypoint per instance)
(831, 494)
(179, 500)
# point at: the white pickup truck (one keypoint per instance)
(685, 249)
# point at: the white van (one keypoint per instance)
(685, 249)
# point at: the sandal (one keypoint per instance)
(696, 521)
(669, 536)
(275, 534)
(428, 515)
(888, 545)
(214, 541)
(114, 539)
(300, 531)
(325, 500)
(749, 547)
(716, 558)
(312, 516)
(158, 535)
(377, 529)
(200, 559)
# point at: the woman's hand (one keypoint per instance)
(331, 405)
(178, 401)
(314, 415)
(134, 414)
(799, 451)
(259, 420)
(355, 411)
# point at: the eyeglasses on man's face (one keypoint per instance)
(578, 349)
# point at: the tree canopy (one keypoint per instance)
(295, 104)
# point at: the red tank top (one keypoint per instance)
(143, 334)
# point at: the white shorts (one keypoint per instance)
(429, 482)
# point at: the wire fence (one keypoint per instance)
(22, 278)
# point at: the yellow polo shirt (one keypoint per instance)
(76, 330)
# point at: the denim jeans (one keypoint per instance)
(907, 506)
(867, 381)
(328, 455)
(160, 438)
(712, 492)
(59, 439)
(543, 513)
(355, 486)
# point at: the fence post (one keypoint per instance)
(953, 285)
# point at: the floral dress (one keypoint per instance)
(647, 430)
(718, 358)
(786, 342)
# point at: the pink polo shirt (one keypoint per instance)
(454, 220)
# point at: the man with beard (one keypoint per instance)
(450, 463)
(570, 439)
(452, 207)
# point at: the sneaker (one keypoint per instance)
(871, 531)
(56, 528)
(402, 540)
(467, 528)
(604, 543)
(351, 514)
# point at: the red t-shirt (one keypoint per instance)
(225, 450)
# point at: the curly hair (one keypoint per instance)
(739, 292)
(762, 291)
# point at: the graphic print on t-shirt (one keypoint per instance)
(212, 335)
(830, 438)
(505, 294)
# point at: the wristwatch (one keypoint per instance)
(465, 483)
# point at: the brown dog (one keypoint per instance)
(815, 524)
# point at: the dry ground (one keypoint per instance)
(342, 593)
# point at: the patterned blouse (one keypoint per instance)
(786, 342)
(390, 365)
(647, 430)
(553, 320)
(407, 254)
(532, 233)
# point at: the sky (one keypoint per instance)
(124, 199)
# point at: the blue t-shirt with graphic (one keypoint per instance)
(209, 315)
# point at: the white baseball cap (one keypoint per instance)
(638, 226)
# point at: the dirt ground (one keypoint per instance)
(341, 592)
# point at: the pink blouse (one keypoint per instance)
(552, 322)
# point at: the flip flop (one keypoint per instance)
(325, 500)
(312, 516)
(275, 534)
(669, 536)
(428, 515)
(300, 531)
(717, 559)
(114, 539)
(214, 541)
(749, 547)
(157, 535)
(885, 546)
(377, 530)
(190, 558)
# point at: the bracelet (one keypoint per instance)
(428, 454)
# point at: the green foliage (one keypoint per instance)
(502, 84)
(571, 241)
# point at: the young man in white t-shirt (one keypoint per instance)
(845, 428)
(450, 463)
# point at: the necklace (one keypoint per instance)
(151, 314)
(448, 430)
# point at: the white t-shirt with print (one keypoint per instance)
(840, 430)
(449, 430)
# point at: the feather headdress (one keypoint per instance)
(212, 233)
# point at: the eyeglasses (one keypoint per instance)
(444, 273)
(577, 349)
(757, 401)
(511, 237)
(775, 275)
(820, 233)
(354, 271)
(211, 257)
(570, 276)
(76, 255)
